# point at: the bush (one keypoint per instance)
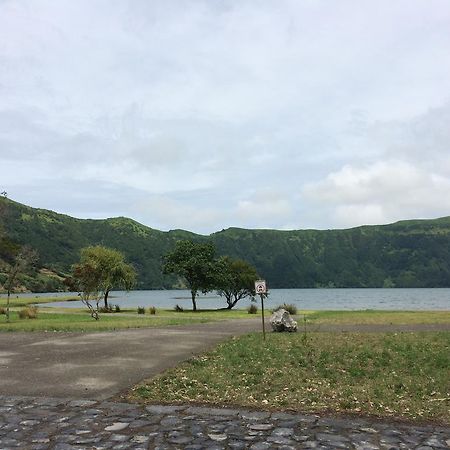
(289, 307)
(252, 309)
(2, 310)
(152, 310)
(116, 308)
(106, 309)
(141, 310)
(30, 312)
(178, 308)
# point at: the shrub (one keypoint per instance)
(289, 307)
(141, 310)
(29, 312)
(178, 308)
(152, 310)
(2, 310)
(252, 309)
(106, 309)
(116, 308)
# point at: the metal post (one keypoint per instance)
(262, 314)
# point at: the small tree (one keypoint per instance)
(22, 260)
(236, 280)
(195, 263)
(100, 270)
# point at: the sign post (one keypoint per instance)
(261, 289)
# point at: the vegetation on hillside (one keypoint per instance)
(405, 254)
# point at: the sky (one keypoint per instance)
(207, 114)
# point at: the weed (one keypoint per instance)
(141, 310)
(178, 308)
(289, 307)
(252, 309)
(152, 310)
(30, 312)
(2, 310)
(106, 309)
(403, 375)
(117, 308)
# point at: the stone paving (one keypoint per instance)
(65, 424)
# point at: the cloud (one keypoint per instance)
(382, 192)
(179, 213)
(264, 206)
(224, 111)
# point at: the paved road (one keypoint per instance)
(100, 365)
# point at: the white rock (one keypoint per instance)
(281, 320)
(117, 426)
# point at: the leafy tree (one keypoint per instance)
(236, 280)
(100, 270)
(22, 260)
(195, 263)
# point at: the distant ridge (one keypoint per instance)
(409, 253)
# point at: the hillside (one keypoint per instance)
(412, 253)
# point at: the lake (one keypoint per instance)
(323, 299)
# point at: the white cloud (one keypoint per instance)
(265, 206)
(200, 103)
(383, 192)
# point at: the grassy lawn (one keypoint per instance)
(78, 319)
(25, 301)
(75, 319)
(405, 375)
(373, 317)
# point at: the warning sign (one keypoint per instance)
(260, 287)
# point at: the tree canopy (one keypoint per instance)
(196, 264)
(100, 270)
(236, 281)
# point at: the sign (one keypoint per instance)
(260, 287)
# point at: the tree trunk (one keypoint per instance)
(7, 306)
(194, 303)
(106, 298)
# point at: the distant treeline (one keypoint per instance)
(413, 253)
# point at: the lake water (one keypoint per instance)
(331, 299)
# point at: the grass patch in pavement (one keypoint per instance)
(376, 317)
(405, 375)
(71, 319)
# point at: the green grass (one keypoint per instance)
(375, 317)
(25, 301)
(405, 375)
(77, 319)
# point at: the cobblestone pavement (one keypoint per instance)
(64, 424)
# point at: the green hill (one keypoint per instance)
(413, 253)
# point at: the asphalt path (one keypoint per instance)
(101, 365)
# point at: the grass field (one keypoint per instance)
(78, 319)
(375, 317)
(75, 319)
(16, 301)
(405, 375)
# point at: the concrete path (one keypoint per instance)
(101, 365)
(64, 424)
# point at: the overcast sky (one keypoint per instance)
(208, 114)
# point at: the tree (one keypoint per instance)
(236, 281)
(99, 271)
(22, 260)
(195, 263)
(17, 259)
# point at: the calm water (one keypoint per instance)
(334, 299)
